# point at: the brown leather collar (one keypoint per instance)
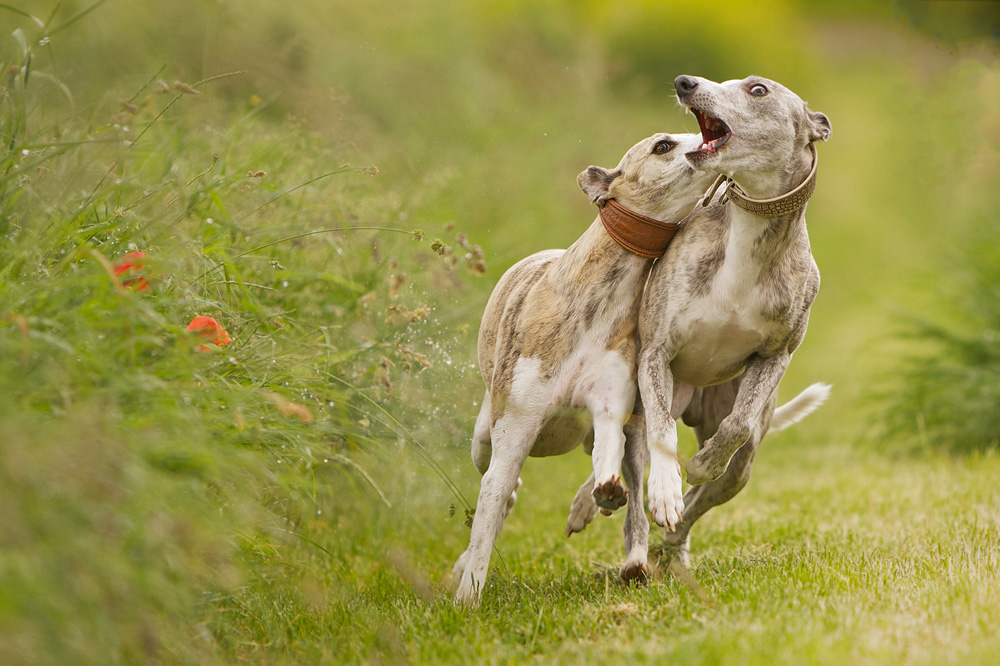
(637, 233)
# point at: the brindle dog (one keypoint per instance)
(557, 347)
(728, 303)
(725, 310)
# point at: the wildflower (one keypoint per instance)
(129, 267)
(210, 330)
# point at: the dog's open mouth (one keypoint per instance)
(714, 133)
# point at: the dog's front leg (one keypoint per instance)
(609, 449)
(656, 387)
(512, 437)
(611, 405)
(757, 385)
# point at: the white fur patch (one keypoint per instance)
(592, 382)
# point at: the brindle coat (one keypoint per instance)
(726, 306)
(725, 310)
(557, 347)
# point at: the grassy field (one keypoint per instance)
(340, 185)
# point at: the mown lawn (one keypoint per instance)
(831, 556)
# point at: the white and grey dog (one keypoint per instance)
(726, 307)
(728, 304)
(558, 347)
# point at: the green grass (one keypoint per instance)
(341, 194)
(829, 557)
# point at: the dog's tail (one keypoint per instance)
(800, 406)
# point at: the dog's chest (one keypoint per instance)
(719, 331)
(592, 377)
(590, 369)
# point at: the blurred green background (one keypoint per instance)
(467, 121)
(481, 114)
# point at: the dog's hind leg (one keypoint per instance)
(636, 524)
(756, 394)
(698, 500)
(713, 405)
(583, 509)
(482, 452)
(512, 437)
(482, 448)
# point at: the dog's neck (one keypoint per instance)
(763, 231)
(793, 199)
(637, 233)
(594, 254)
(600, 278)
(771, 193)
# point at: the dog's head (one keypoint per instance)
(653, 178)
(749, 128)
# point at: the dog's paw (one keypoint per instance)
(458, 570)
(706, 466)
(676, 553)
(666, 498)
(713, 459)
(581, 511)
(610, 495)
(635, 572)
(467, 595)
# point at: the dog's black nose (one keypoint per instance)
(685, 85)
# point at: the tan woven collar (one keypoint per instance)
(789, 202)
(635, 232)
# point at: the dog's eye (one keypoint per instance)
(758, 90)
(662, 147)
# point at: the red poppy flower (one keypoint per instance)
(210, 330)
(129, 267)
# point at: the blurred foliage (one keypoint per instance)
(953, 20)
(950, 389)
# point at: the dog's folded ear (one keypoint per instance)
(819, 126)
(595, 182)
